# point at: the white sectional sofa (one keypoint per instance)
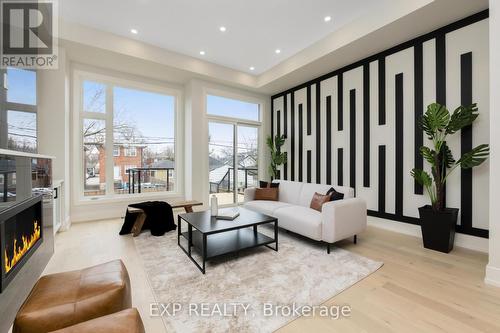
(338, 219)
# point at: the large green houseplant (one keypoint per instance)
(277, 156)
(438, 222)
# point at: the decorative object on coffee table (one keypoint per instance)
(228, 214)
(214, 205)
(213, 238)
(438, 223)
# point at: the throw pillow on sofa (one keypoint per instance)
(269, 194)
(318, 200)
(334, 195)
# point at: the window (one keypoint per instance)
(94, 97)
(94, 150)
(21, 86)
(21, 130)
(117, 173)
(130, 152)
(233, 145)
(125, 127)
(231, 108)
(18, 119)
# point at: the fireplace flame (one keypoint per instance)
(21, 249)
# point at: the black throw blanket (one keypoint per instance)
(159, 218)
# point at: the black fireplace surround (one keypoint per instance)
(21, 233)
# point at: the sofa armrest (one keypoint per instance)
(343, 218)
(249, 194)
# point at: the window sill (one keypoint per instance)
(124, 198)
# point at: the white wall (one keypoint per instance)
(53, 122)
(493, 268)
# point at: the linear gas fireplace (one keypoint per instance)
(20, 235)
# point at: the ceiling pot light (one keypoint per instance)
(278, 51)
(252, 68)
(328, 18)
(222, 29)
(202, 52)
(134, 31)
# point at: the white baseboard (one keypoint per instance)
(461, 240)
(492, 276)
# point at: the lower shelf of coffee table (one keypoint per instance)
(229, 241)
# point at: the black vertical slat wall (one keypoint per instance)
(339, 105)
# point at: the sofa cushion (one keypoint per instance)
(290, 191)
(265, 207)
(302, 220)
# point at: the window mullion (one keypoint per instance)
(110, 176)
(95, 115)
(236, 166)
(21, 107)
(3, 112)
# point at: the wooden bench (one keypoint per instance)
(141, 215)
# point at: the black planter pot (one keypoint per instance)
(438, 228)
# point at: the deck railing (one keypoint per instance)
(227, 182)
(137, 179)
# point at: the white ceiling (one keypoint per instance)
(255, 28)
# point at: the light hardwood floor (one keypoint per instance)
(416, 290)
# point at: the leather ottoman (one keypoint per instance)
(126, 321)
(65, 299)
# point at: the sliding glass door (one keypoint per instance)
(247, 152)
(229, 145)
(221, 161)
(233, 147)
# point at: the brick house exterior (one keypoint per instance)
(123, 158)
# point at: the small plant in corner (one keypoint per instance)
(438, 222)
(277, 157)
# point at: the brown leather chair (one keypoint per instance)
(65, 299)
(126, 321)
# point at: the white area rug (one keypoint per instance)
(301, 273)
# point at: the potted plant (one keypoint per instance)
(277, 157)
(438, 222)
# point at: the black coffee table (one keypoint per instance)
(212, 238)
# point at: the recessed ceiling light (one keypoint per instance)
(134, 31)
(252, 68)
(328, 18)
(202, 52)
(278, 51)
(222, 29)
